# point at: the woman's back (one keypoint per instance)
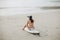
(30, 24)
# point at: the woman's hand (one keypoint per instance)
(23, 28)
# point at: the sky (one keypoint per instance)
(25, 3)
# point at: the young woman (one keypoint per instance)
(29, 27)
(30, 24)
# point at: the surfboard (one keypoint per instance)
(33, 31)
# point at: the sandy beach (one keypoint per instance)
(47, 23)
(13, 16)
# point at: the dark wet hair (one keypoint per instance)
(30, 18)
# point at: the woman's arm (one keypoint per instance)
(25, 26)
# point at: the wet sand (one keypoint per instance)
(47, 23)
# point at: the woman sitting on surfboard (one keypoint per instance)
(30, 23)
(29, 27)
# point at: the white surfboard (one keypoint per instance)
(32, 31)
